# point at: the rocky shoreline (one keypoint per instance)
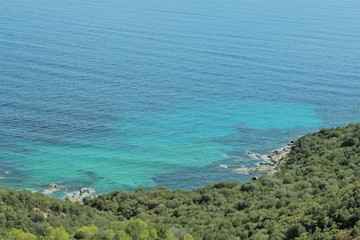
(78, 196)
(270, 164)
(52, 188)
(75, 196)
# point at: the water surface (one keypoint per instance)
(126, 94)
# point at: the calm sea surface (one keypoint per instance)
(118, 94)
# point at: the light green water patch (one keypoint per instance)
(186, 135)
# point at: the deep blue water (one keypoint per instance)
(120, 94)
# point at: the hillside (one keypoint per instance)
(316, 195)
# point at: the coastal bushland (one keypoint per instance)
(316, 195)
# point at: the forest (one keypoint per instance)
(315, 195)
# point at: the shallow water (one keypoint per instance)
(120, 95)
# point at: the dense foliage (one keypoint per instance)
(316, 195)
(25, 216)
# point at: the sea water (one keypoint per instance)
(117, 95)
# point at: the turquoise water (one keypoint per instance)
(120, 95)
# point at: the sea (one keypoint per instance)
(120, 95)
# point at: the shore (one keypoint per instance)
(270, 163)
(75, 196)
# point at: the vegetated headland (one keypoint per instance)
(314, 195)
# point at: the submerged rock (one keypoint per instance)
(242, 170)
(52, 188)
(256, 156)
(223, 166)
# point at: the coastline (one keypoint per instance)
(270, 164)
(74, 196)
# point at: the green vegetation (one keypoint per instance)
(26, 215)
(315, 196)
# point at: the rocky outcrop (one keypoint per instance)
(256, 156)
(78, 196)
(272, 162)
(52, 188)
(278, 157)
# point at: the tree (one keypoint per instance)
(122, 235)
(16, 234)
(138, 230)
(57, 234)
(86, 232)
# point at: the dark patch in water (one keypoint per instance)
(86, 179)
(15, 148)
(10, 175)
(190, 178)
(262, 141)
